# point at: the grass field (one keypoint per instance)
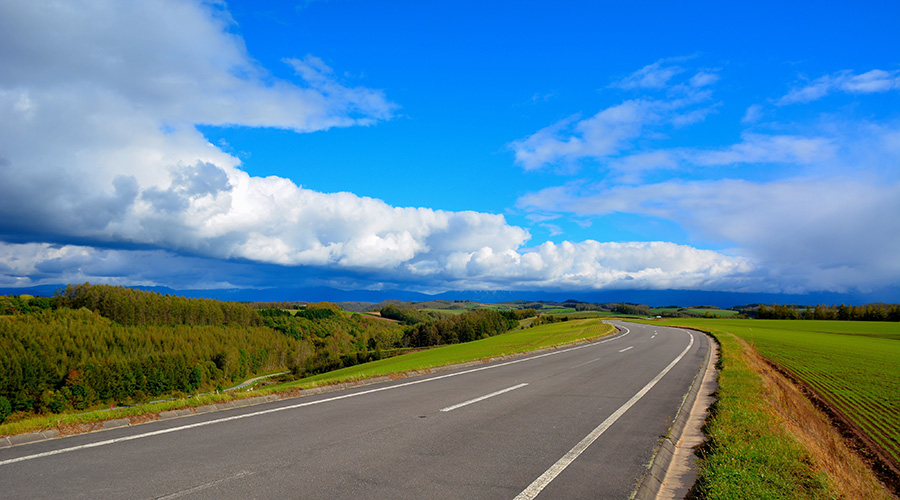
(557, 310)
(854, 366)
(584, 314)
(518, 341)
(722, 313)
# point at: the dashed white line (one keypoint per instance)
(482, 398)
(627, 348)
(550, 474)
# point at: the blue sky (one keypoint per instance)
(435, 146)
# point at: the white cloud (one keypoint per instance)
(753, 114)
(807, 233)
(594, 265)
(100, 148)
(651, 76)
(760, 148)
(753, 149)
(704, 78)
(570, 140)
(869, 82)
(99, 155)
(613, 130)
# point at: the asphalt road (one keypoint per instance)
(573, 423)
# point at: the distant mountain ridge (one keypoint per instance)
(653, 298)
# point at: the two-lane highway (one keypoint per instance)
(578, 422)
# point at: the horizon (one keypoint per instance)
(652, 298)
(653, 150)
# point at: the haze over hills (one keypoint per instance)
(653, 298)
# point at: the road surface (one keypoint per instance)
(579, 422)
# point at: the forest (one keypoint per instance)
(93, 345)
(431, 330)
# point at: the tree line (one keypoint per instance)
(869, 312)
(426, 330)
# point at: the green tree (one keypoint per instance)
(5, 409)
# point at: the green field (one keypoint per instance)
(854, 366)
(585, 314)
(696, 311)
(557, 310)
(722, 313)
(527, 339)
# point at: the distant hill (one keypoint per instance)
(653, 298)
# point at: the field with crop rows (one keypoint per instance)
(854, 366)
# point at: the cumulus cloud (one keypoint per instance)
(104, 176)
(870, 82)
(805, 233)
(821, 218)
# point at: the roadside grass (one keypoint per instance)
(68, 422)
(765, 438)
(518, 341)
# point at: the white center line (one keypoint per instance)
(629, 347)
(482, 398)
(556, 469)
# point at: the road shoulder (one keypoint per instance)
(673, 472)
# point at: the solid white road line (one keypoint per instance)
(541, 482)
(299, 405)
(482, 398)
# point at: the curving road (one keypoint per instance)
(579, 422)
